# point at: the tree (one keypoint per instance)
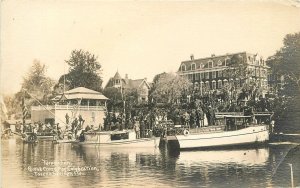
(169, 87)
(84, 71)
(37, 84)
(115, 98)
(286, 62)
(237, 68)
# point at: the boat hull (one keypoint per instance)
(246, 136)
(121, 139)
(137, 143)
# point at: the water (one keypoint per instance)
(27, 165)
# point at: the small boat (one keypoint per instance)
(29, 137)
(234, 130)
(122, 139)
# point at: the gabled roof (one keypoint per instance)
(134, 83)
(117, 76)
(126, 83)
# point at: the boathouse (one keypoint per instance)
(77, 103)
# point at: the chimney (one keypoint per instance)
(126, 76)
(213, 55)
(145, 79)
(192, 57)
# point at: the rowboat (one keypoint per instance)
(234, 130)
(121, 139)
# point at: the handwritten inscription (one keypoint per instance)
(60, 168)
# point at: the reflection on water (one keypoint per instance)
(258, 167)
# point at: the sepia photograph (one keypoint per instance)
(140, 93)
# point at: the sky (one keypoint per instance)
(137, 38)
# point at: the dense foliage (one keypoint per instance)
(286, 63)
(84, 71)
(36, 88)
(168, 88)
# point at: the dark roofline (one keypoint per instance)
(207, 58)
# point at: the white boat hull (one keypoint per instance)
(249, 135)
(104, 139)
(137, 143)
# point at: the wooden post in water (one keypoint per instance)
(292, 174)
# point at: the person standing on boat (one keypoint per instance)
(67, 118)
(137, 129)
(34, 132)
(81, 121)
(208, 115)
(142, 129)
(186, 119)
(214, 111)
(74, 126)
(87, 128)
(201, 117)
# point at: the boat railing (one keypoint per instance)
(208, 129)
(67, 107)
(223, 114)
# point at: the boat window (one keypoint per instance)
(120, 136)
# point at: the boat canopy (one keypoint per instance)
(264, 114)
(236, 116)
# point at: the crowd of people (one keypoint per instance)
(144, 121)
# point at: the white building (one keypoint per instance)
(90, 104)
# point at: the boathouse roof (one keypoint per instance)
(82, 93)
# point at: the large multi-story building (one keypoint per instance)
(212, 72)
(140, 85)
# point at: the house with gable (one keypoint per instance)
(125, 84)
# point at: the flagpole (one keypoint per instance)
(64, 77)
(24, 111)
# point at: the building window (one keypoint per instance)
(227, 62)
(214, 84)
(193, 66)
(220, 84)
(225, 82)
(201, 65)
(117, 81)
(183, 68)
(207, 85)
(219, 63)
(220, 74)
(213, 74)
(206, 75)
(210, 64)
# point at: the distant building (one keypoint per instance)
(140, 85)
(211, 70)
(89, 104)
(276, 83)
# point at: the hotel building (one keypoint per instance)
(210, 72)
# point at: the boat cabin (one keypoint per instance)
(109, 136)
(236, 122)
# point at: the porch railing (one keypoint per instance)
(67, 107)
